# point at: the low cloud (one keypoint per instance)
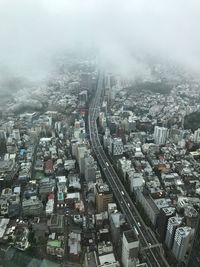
(124, 32)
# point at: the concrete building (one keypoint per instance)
(48, 167)
(196, 136)
(90, 169)
(194, 258)
(130, 248)
(102, 120)
(3, 226)
(49, 207)
(32, 207)
(116, 147)
(74, 181)
(61, 184)
(106, 138)
(105, 247)
(117, 223)
(124, 165)
(74, 245)
(69, 164)
(160, 135)
(112, 207)
(16, 134)
(46, 186)
(151, 209)
(164, 215)
(83, 96)
(108, 260)
(181, 242)
(103, 197)
(56, 223)
(3, 140)
(135, 180)
(55, 246)
(173, 224)
(82, 150)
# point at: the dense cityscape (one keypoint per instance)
(97, 170)
(99, 133)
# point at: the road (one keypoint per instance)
(150, 247)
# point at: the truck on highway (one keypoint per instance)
(136, 231)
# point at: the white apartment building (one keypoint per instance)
(160, 135)
(173, 224)
(181, 242)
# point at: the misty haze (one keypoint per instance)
(99, 133)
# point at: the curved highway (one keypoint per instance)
(150, 247)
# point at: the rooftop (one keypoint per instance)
(130, 236)
(106, 259)
(54, 243)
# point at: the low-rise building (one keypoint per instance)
(56, 223)
(55, 246)
(32, 207)
(108, 260)
(74, 246)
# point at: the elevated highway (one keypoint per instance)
(150, 247)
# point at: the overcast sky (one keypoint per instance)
(32, 32)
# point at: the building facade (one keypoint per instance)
(172, 225)
(160, 135)
(194, 258)
(181, 242)
(130, 248)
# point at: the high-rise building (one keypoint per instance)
(173, 224)
(160, 135)
(194, 258)
(107, 87)
(82, 151)
(3, 139)
(103, 197)
(196, 137)
(164, 215)
(83, 96)
(130, 248)
(181, 242)
(90, 169)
